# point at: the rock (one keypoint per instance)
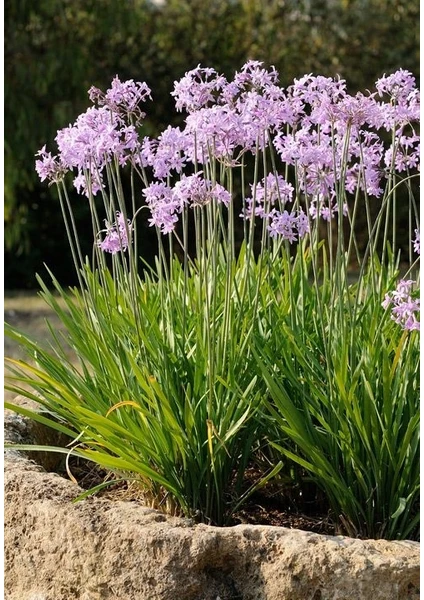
(101, 549)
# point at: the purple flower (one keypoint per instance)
(365, 169)
(325, 208)
(404, 314)
(228, 116)
(313, 90)
(166, 203)
(273, 189)
(116, 238)
(96, 138)
(252, 76)
(123, 97)
(127, 94)
(191, 190)
(288, 226)
(49, 167)
(89, 183)
(147, 152)
(220, 194)
(196, 191)
(329, 138)
(398, 85)
(405, 308)
(198, 88)
(403, 290)
(404, 154)
(164, 207)
(404, 99)
(302, 224)
(259, 103)
(417, 241)
(170, 151)
(355, 111)
(258, 115)
(215, 132)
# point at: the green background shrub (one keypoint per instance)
(55, 50)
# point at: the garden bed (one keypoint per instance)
(105, 548)
(239, 375)
(275, 504)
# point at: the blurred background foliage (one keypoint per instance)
(56, 49)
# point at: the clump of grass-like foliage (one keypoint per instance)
(187, 371)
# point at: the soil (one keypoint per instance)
(275, 504)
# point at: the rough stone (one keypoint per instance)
(100, 549)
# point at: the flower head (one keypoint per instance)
(49, 167)
(170, 152)
(97, 137)
(164, 207)
(289, 226)
(88, 183)
(398, 85)
(252, 77)
(197, 89)
(123, 97)
(116, 238)
(405, 307)
(272, 190)
(194, 190)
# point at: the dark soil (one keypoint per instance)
(275, 504)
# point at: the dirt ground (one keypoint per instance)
(29, 313)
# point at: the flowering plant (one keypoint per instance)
(245, 345)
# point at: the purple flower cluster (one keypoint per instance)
(100, 136)
(166, 203)
(268, 201)
(49, 167)
(165, 155)
(405, 308)
(398, 86)
(197, 89)
(239, 114)
(116, 238)
(289, 226)
(404, 154)
(330, 138)
(123, 97)
(97, 137)
(272, 190)
(323, 208)
(164, 208)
